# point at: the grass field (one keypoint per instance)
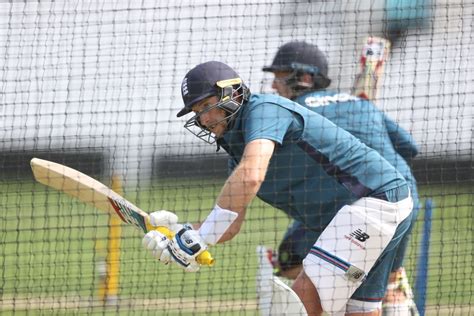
(51, 245)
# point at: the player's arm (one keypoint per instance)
(244, 182)
(402, 141)
(225, 220)
(231, 165)
(264, 126)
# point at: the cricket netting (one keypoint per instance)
(95, 85)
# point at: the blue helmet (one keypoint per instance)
(208, 79)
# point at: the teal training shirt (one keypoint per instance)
(316, 168)
(370, 125)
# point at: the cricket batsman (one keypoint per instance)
(301, 74)
(290, 157)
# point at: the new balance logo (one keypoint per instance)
(355, 274)
(360, 235)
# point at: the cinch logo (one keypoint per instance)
(316, 101)
(360, 235)
(184, 86)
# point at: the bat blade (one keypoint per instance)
(88, 190)
(374, 54)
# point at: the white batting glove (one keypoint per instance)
(157, 244)
(184, 248)
(165, 218)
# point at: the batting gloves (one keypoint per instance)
(157, 244)
(165, 218)
(184, 248)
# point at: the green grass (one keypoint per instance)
(51, 245)
(451, 245)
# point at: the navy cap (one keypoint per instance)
(297, 56)
(200, 83)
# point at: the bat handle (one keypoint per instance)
(204, 258)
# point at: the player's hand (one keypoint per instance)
(166, 219)
(185, 246)
(157, 244)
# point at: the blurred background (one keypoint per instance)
(95, 85)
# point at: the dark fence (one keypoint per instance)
(443, 171)
(16, 164)
(426, 171)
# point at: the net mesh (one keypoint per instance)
(96, 86)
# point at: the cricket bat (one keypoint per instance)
(372, 60)
(93, 192)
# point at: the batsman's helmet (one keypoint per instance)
(301, 57)
(208, 79)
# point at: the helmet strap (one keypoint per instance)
(299, 87)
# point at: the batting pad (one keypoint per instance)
(350, 245)
(275, 298)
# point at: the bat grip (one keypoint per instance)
(204, 258)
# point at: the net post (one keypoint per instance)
(109, 289)
(421, 282)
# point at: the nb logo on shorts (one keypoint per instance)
(355, 274)
(360, 235)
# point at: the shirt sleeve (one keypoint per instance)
(402, 141)
(267, 121)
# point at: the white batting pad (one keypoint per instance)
(349, 247)
(275, 298)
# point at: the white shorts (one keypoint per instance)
(350, 245)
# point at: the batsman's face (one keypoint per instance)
(279, 84)
(210, 117)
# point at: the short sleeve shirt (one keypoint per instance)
(317, 167)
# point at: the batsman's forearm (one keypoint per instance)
(236, 195)
(243, 184)
(238, 191)
(245, 181)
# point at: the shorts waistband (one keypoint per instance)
(393, 195)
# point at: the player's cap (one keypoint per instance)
(200, 83)
(299, 55)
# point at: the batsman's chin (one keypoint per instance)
(218, 130)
